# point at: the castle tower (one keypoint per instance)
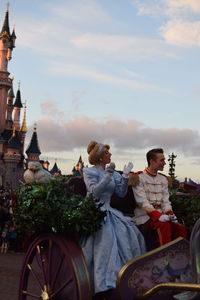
(33, 151)
(11, 142)
(55, 171)
(9, 121)
(78, 168)
(80, 165)
(16, 110)
(23, 129)
(7, 43)
(12, 160)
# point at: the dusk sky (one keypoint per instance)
(122, 72)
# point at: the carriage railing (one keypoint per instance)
(195, 261)
(169, 286)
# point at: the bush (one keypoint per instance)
(54, 207)
(187, 208)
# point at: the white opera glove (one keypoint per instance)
(173, 218)
(164, 218)
(127, 169)
(110, 168)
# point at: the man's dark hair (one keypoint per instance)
(151, 154)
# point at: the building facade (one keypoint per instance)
(12, 133)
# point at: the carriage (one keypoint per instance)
(54, 267)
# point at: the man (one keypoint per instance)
(154, 209)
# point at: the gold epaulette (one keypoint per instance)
(169, 179)
(134, 178)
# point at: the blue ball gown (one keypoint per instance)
(118, 240)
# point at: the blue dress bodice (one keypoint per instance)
(102, 185)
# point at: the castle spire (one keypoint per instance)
(5, 56)
(33, 150)
(18, 102)
(6, 29)
(16, 111)
(24, 127)
(13, 37)
(55, 170)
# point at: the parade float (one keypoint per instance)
(57, 214)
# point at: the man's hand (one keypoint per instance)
(164, 218)
(173, 218)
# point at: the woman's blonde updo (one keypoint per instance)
(96, 152)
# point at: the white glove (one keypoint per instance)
(164, 218)
(110, 168)
(173, 218)
(127, 169)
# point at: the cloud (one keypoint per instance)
(180, 24)
(49, 108)
(56, 35)
(169, 8)
(193, 5)
(123, 47)
(40, 36)
(84, 11)
(127, 136)
(87, 72)
(150, 7)
(182, 33)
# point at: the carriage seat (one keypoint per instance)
(125, 204)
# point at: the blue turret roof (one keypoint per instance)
(7, 134)
(13, 35)
(6, 29)
(33, 146)
(11, 93)
(55, 169)
(18, 102)
(14, 142)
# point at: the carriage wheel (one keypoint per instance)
(54, 268)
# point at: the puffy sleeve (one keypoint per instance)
(121, 185)
(143, 202)
(93, 185)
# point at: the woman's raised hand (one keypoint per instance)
(127, 169)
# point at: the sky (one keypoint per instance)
(121, 72)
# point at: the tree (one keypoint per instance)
(172, 165)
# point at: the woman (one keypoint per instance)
(118, 240)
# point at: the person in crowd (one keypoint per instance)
(4, 238)
(4, 216)
(154, 208)
(118, 240)
(12, 237)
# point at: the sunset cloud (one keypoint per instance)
(130, 135)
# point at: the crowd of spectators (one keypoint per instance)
(10, 239)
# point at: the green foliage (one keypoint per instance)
(172, 165)
(187, 208)
(54, 207)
